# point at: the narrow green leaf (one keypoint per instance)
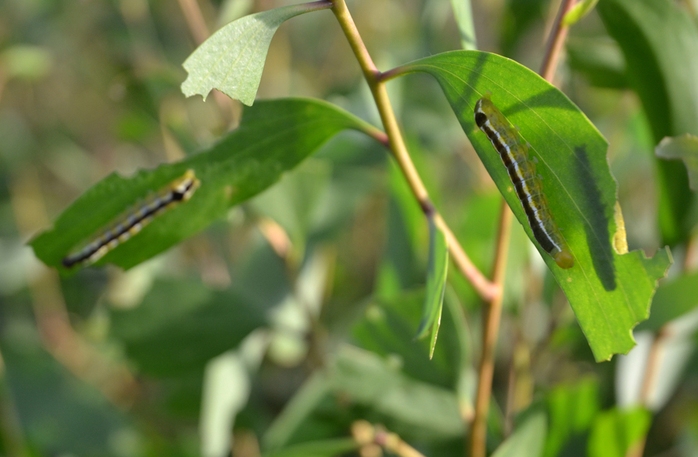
(659, 42)
(527, 439)
(232, 59)
(673, 299)
(571, 409)
(437, 271)
(463, 14)
(578, 12)
(609, 290)
(324, 448)
(274, 137)
(616, 431)
(684, 147)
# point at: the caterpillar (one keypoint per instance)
(178, 191)
(513, 151)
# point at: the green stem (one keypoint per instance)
(397, 146)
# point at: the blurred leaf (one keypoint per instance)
(571, 409)
(135, 126)
(674, 298)
(405, 218)
(610, 293)
(388, 329)
(58, 413)
(437, 271)
(232, 59)
(463, 14)
(578, 12)
(519, 16)
(297, 410)
(326, 448)
(273, 138)
(181, 325)
(527, 439)
(684, 147)
(659, 41)
(423, 409)
(600, 60)
(615, 432)
(26, 62)
(233, 9)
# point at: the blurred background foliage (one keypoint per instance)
(295, 316)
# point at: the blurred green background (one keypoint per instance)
(294, 316)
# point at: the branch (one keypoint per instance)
(486, 289)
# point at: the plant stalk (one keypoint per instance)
(485, 288)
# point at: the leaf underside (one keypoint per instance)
(609, 292)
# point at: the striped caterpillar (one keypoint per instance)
(178, 191)
(522, 171)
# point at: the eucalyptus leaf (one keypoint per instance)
(232, 59)
(610, 290)
(273, 138)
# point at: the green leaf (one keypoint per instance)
(181, 325)
(324, 448)
(615, 432)
(673, 299)
(571, 409)
(232, 59)
(437, 271)
(463, 14)
(578, 12)
(274, 137)
(659, 42)
(609, 290)
(600, 60)
(527, 439)
(684, 147)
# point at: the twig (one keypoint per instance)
(486, 289)
(557, 38)
(478, 437)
